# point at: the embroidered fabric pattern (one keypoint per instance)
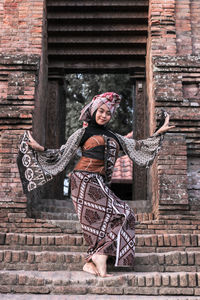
(49, 163)
(31, 173)
(111, 153)
(141, 152)
(108, 223)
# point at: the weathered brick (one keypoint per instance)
(29, 240)
(22, 239)
(53, 257)
(140, 291)
(180, 240)
(141, 280)
(165, 279)
(183, 258)
(106, 290)
(183, 280)
(58, 240)
(149, 280)
(7, 256)
(176, 258)
(44, 240)
(160, 241)
(157, 279)
(168, 258)
(37, 240)
(174, 281)
(192, 278)
(175, 291)
(154, 240)
(194, 240)
(22, 279)
(147, 241)
(31, 258)
(166, 240)
(15, 257)
(190, 258)
(173, 242)
(51, 240)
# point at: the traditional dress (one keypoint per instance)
(107, 222)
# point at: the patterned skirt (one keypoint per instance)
(108, 223)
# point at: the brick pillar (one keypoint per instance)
(172, 176)
(173, 83)
(140, 132)
(22, 68)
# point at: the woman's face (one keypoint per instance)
(103, 115)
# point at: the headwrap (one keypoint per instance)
(111, 99)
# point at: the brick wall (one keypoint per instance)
(22, 74)
(173, 76)
(173, 80)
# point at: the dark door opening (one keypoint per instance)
(129, 181)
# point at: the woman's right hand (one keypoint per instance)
(33, 144)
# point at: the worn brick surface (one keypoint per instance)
(173, 85)
(167, 249)
(21, 34)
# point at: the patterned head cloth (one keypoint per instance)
(111, 99)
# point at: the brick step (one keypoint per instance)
(45, 215)
(31, 225)
(54, 203)
(148, 227)
(54, 209)
(60, 213)
(52, 261)
(79, 283)
(75, 242)
(91, 297)
(66, 205)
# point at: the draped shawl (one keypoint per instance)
(36, 168)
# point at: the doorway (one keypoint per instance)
(80, 88)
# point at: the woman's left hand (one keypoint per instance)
(165, 126)
(129, 135)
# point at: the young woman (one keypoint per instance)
(107, 222)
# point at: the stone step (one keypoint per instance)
(80, 283)
(75, 242)
(175, 261)
(59, 213)
(92, 297)
(148, 227)
(46, 215)
(31, 225)
(67, 203)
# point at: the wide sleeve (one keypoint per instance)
(54, 161)
(36, 168)
(142, 152)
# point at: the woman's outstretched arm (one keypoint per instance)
(165, 126)
(161, 130)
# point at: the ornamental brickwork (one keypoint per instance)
(173, 77)
(40, 234)
(22, 86)
(172, 71)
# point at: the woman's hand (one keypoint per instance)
(129, 135)
(165, 126)
(33, 144)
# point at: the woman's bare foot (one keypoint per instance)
(90, 268)
(100, 262)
